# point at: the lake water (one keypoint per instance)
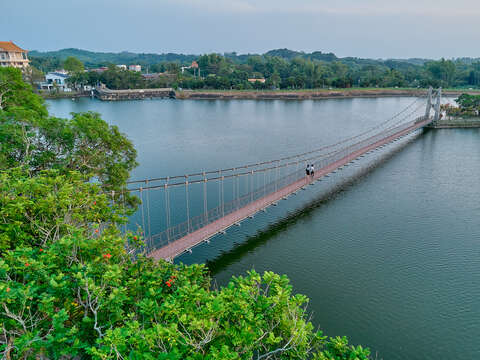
(388, 250)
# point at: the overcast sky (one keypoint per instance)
(362, 28)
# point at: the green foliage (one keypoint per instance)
(84, 143)
(466, 101)
(38, 210)
(339, 349)
(32, 75)
(468, 105)
(70, 287)
(84, 297)
(292, 69)
(443, 72)
(115, 78)
(73, 65)
(17, 97)
(52, 60)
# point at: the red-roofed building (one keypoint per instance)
(13, 55)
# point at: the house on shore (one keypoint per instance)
(56, 81)
(134, 68)
(12, 55)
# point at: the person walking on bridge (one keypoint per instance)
(312, 170)
(307, 170)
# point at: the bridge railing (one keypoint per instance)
(222, 210)
(217, 213)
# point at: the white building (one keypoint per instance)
(122, 67)
(56, 80)
(134, 68)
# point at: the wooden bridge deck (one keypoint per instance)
(185, 243)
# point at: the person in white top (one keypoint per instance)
(312, 170)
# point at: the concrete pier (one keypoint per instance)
(451, 122)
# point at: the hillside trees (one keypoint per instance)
(73, 65)
(442, 71)
(293, 67)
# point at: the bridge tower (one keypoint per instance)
(436, 106)
(436, 117)
(429, 102)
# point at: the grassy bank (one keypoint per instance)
(310, 93)
(62, 95)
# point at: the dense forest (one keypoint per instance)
(281, 69)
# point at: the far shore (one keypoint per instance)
(309, 94)
(283, 94)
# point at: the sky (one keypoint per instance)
(360, 28)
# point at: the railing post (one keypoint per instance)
(143, 214)
(148, 211)
(251, 188)
(188, 204)
(296, 170)
(223, 198)
(167, 210)
(237, 192)
(205, 207)
(234, 186)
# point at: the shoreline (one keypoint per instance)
(64, 95)
(257, 95)
(306, 94)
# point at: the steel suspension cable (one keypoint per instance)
(292, 156)
(278, 161)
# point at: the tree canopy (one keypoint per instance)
(73, 65)
(468, 105)
(73, 286)
(85, 143)
(282, 68)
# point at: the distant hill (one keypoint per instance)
(91, 59)
(94, 59)
(291, 54)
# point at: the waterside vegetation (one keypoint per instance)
(468, 106)
(276, 69)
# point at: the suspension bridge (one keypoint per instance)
(218, 199)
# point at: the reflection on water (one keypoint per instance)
(388, 250)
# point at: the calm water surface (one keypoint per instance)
(388, 251)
